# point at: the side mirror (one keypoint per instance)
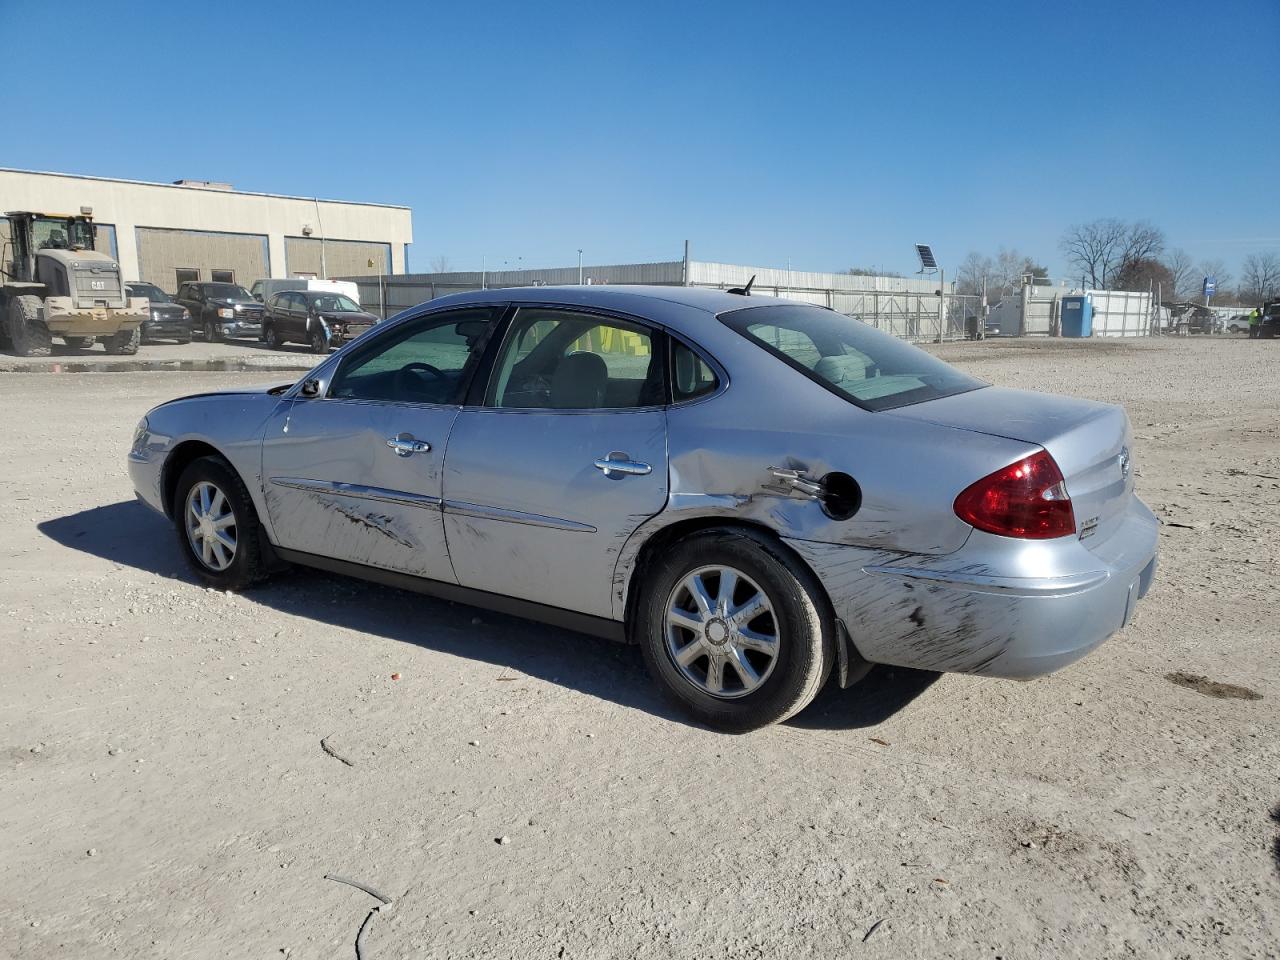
(311, 388)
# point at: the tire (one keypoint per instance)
(318, 341)
(80, 343)
(27, 332)
(125, 343)
(799, 620)
(274, 340)
(245, 565)
(211, 332)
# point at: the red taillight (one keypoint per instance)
(1027, 499)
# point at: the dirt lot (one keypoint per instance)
(164, 792)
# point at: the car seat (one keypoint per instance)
(579, 382)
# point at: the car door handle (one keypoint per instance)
(618, 465)
(405, 445)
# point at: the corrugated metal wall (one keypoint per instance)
(342, 258)
(162, 252)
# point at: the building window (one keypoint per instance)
(187, 275)
(223, 276)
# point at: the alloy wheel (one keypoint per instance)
(211, 526)
(721, 632)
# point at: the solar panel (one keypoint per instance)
(925, 252)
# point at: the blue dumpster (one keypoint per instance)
(1077, 317)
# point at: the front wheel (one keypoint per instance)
(27, 332)
(274, 340)
(735, 630)
(211, 332)
(124, 343)
(319, 342)
(217, 525)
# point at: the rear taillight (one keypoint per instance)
(1027, 499)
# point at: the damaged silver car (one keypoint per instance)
(757, 492)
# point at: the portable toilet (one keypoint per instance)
(1077, 317)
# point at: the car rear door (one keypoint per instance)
(565, 457)
(354, 472)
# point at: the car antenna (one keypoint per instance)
(744, 291)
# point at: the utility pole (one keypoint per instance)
(324, 270)
(579, 266)
(685, 278)
(483, 263)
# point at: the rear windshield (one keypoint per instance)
(854, 361)
(154, 294)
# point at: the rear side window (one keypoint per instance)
(853, 361)
(562, 360)
(691, 377)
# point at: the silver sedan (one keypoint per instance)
(758, 492)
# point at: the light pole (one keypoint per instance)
(579, 266)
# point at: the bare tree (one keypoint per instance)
(974, 270)
(1141, 242)
(1182, 272)
(1144, 274)
(440, 264)
(1094, 250)
(1260, 279)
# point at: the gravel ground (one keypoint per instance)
(164, 792)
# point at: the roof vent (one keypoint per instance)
(205, 185)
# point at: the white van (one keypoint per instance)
(262, 289)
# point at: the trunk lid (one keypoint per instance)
(1089, 441)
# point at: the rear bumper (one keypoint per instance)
(964, 613)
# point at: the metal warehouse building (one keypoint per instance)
(166, 233)
(908, 307)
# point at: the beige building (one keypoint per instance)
(166, 233)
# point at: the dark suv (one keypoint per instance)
(168, 320)
(221, 310)
(1269, 329)
(318, 318)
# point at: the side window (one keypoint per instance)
(561, 360)
(691, 377)
(424, 361)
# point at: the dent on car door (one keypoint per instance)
(355, 474)
(567, 456)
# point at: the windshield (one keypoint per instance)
(336, 301)
(854, 361)
(150, 291)
(50, 234)
(226, 291)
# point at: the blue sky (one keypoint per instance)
(827, 134)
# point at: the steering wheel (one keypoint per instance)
(407, 379)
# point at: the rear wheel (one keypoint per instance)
(124, 343)
(217, 525)
(27, 332)
(735, 630)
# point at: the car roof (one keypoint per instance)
(618, 296)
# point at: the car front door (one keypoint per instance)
(566, 457)
(354, 472)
